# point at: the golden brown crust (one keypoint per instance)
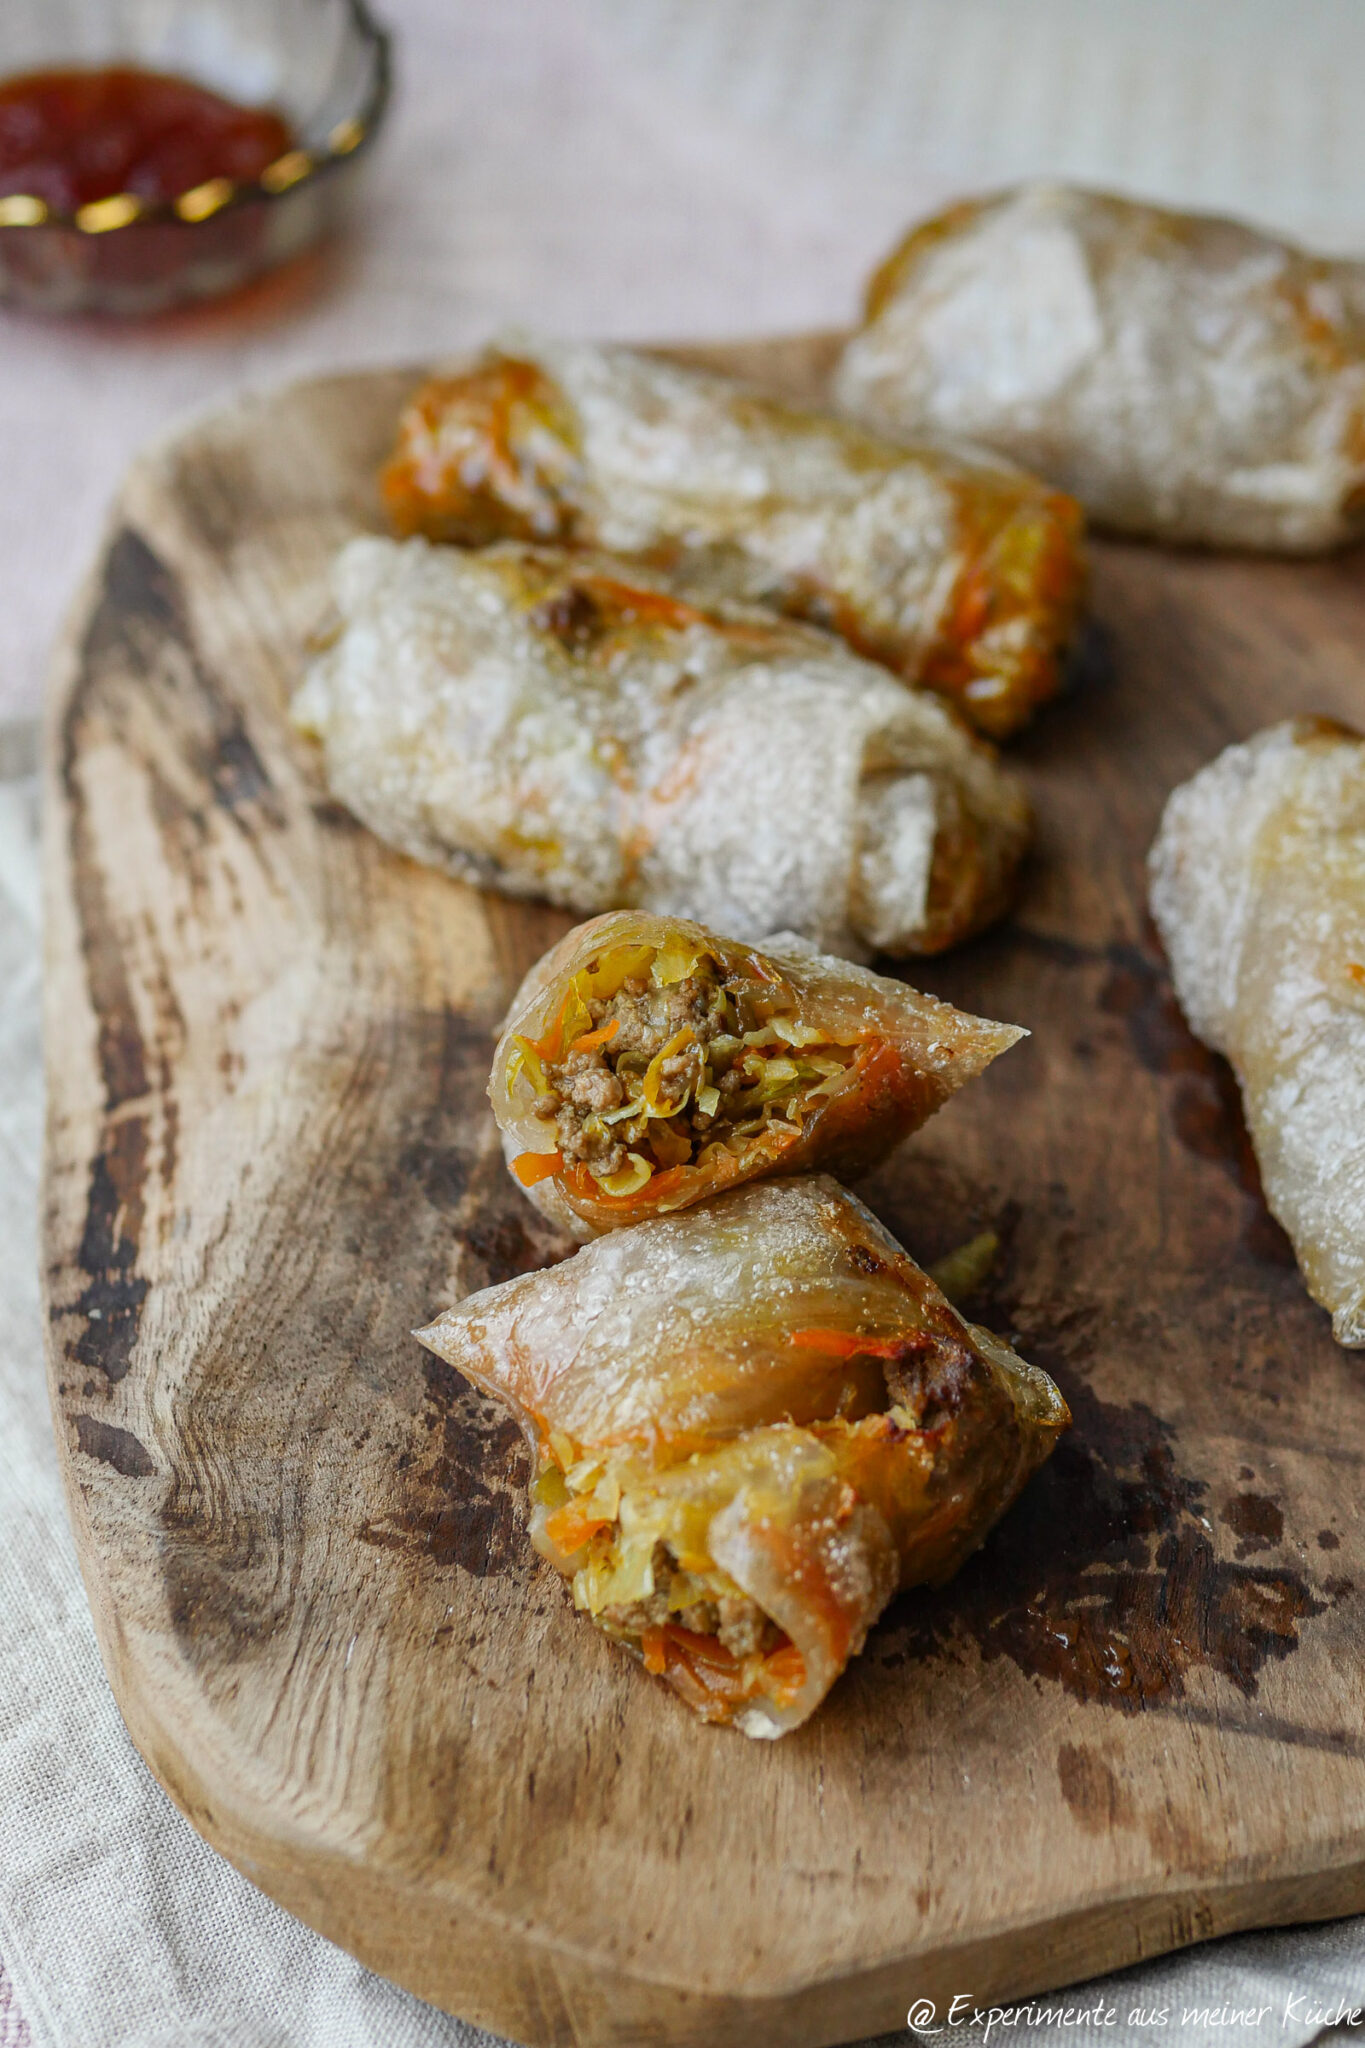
(556, 724)
(954, 571)
(862, 1060)
(759, 1405)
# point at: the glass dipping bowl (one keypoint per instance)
(322, 64)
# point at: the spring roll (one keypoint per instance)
(950, 567)
(1258, 891)
(1186, 377)
(647, 1064)
(534, 722)
(752, 1423)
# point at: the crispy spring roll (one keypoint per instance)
(647, 1064)
(752, 1423)
(1186, 377)
(950, 567)
(534, 722)
(1258, 891)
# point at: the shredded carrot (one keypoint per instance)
(531, 1167)
(711, 1678)
(580, 1183)
(848, 1344)
(878, 1065)
(712, 1669)
(550, 1045)
(590, 1040)
(705, 1649)
(634, 601)
(971, 603)
(786, 1669)
(569, 1527)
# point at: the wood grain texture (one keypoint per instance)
(1136, 1720)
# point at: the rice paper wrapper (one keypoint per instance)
(948, 565)
(906, 1053)
(1258, 891)
(550, 725)
(1184, 376)
(761, 1408)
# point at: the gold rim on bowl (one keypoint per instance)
(296, 167)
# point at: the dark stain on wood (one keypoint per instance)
(235, 771)
(1103, 1577)
(463, 1503)
(335, 817)
(1092, 1792)
(1092, 662)
(111, 1300)
(1277, 1728)
(441, 1136)
(1255, 1519)
(142, 615)
(417, 1191)
(1206, 1108)
(462, 1499)
(112, 1446)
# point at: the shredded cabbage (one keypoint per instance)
(675, 961)
(584, 1475)
(548, 1489)
(781, 1030)
(787, 1067)
(526, 1059)
(628, 1180)
(615, 967)
(655, 1102)
(671, 1148)
(618, 1580)
(561, 1449)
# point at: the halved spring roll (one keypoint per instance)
(753, 1422)
(1185, 376)
(951, 567)
(648, 1063)
(1258, 891)
(553, 725)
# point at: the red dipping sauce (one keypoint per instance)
(72, 137)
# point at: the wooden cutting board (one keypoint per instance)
(1138, 1717)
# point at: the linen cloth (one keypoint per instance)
(631, 167)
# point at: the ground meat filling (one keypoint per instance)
(712, 1075)
(588, 1084)
(737, 1622)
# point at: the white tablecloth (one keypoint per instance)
(634, 167)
